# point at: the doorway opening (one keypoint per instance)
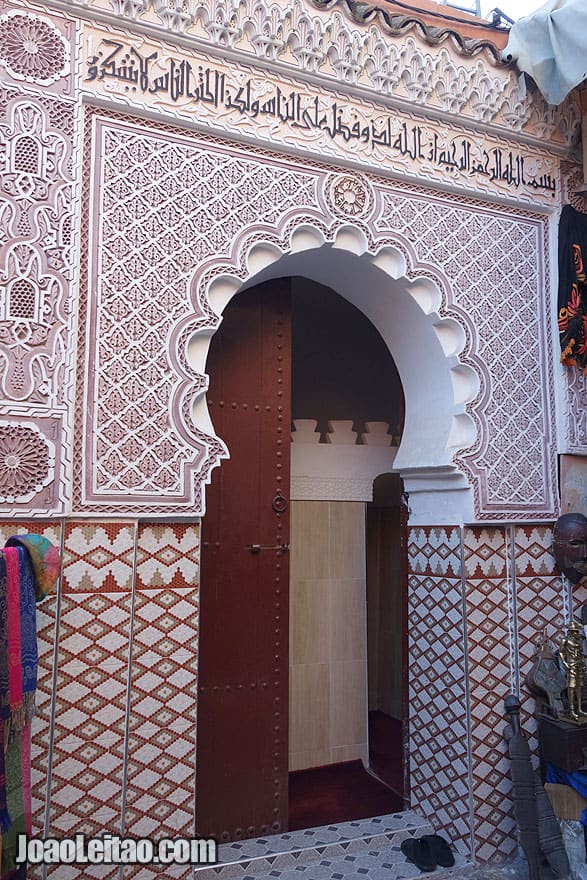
(346, 396)
(255, 668)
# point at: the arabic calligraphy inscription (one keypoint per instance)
(285, 112)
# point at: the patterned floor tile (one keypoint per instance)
(98, 557)
(161, 748)
(167, 555)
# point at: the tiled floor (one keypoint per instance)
(369, 848)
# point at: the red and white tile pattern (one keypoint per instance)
(160, 792)
(167, 555)
(439, 760)
(98, 557)
(540, 602)
(88, 755)
(489, 634)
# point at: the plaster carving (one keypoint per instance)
(350, 196)
(367, 55)
(321, 488)
(575, 424)
(36, 196)
(320, 472)
(236, 99)
(32, 48)
(26, 462)
(229, 215)
(480, 250)
(35, 285)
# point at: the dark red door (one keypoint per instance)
(242, 754)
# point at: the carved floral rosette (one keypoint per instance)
(32, 49)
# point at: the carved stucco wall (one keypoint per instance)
(37, 132)
(460, 78)
(166, 212)
(182, 194)
(164, 192)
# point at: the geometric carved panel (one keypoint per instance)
(171, 203)
(166, 204)
(482, 251)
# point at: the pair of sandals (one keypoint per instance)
(428, 852)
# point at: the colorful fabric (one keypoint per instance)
(577, 780)
(45, 560)
(572, 296)
(14, 642)
(28, 633)
(27, 792)
(15, 807)
(4, 694)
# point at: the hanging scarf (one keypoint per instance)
(14, 642)
(572, 291)
(28, 633)
(45, 560)
(16, 807)
(4, 695)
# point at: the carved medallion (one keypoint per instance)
(350, 196)
(26, 462)
(32, 48)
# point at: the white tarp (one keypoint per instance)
(551, 46)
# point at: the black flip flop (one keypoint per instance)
(440, 850)
(419, 852)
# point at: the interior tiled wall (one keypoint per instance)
(385, 615)
(491, 646)
(114, 736)
(328, 665)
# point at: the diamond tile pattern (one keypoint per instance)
(90, 714)
(127, 661)
(125, 620)
(489, 634)
(540, 596)
(161, 750)
(439, 760)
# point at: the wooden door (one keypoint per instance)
(242, 733)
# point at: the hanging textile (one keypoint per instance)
(29, 567)
(4, 695)
(572, 291)
(44, 558)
